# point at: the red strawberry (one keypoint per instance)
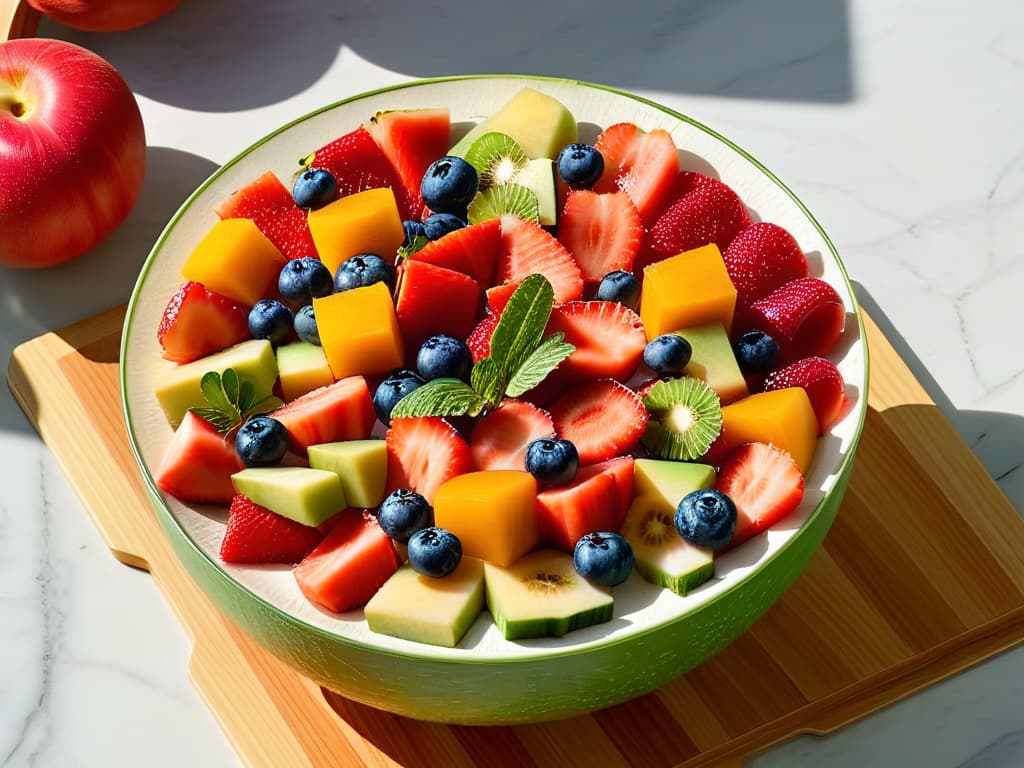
(527, 249)
(602, 418)
(761, 258)
(412, 139)
(805, 317)
(498, 296)
(257, 535)
(643, 165)
(270, 206)
(432, 300)
(424, 452)
(472, 250)
(821, 380)
(765, 484)
(500, 438)
(602, 232)
(479, 339)
(198, 322)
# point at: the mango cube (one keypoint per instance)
(235, 260)
(491, 512)
(713, 361)
(366, 222)
(359, 331)
(302, 367)
(784, 418)
(691, 288)
(362, 466)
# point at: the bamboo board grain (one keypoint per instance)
(921, 576)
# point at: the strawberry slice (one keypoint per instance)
(423, 453)
(601, 231)
(434, 300)
(643, 165)
(256, 535)
(498, 296)
(822, 382)
(198, 322)
(198, 463)
(602, 418)
(500, 438)
(472, 250)
(526, 249)
(412, 139)
(765, 484)
(479, 339)
(805, 317)
(761, 258)
(270, 206)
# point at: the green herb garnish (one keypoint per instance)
(231, 400)
(405, 251)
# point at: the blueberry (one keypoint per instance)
(667, 354)
(363, 270)
(314, 188)
(434, 552)
(305, 325)
(580, 165)
(621, 287)
(302, 280)
(261, 442)
(413, 229)
(552, 461)
(397, 385)
(756, 352)
(403, 513)
(706, 518)
(449, 185)
(270, 319)
(444, 357)
(440, 224)
(603, 557)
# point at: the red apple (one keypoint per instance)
(72, 151)
(104, 15)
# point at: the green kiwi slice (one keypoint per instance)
(507, 198)
(498, 159)
(686, 417)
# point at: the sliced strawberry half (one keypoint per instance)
(423, 453)
(601, 231)
(765, 484)
(198, 322)
(434, 300)
(602, 418)
(472, 250)
(479, 339)
(254, 534)
(198, 463)
(761, 258)
(822, 382)
(499, 440)
(270, 206)
(805, 317)
(412, 139)
(498, 296)
(527, 249)
(643, 165)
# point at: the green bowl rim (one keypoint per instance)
(287, 617)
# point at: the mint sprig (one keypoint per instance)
(520, 359)
(231, 399)
(407, 250)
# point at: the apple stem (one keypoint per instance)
(18, 109)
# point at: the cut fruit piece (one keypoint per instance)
(359, 331)
(805, 317)
(785, 418)
(541, 595)
(602, 418)
(302, 367)
(198, 463)
(427, 610)
(593, 501)
(362, 466)
(366, 222)
(822, 382)
(538, 176)
(499, 440)
(479, 339)
(660, 554)
(235, 260)
(643, 165)
(307, 496)
(497, 158)
(601, 231)
(539, 123)
(472, 250)
(764, 483)
(198, 322)
(713, 361)
(340, 411)
(506, 199)
(434, 300)
(255, 535)
(685, 419)
(526, 249)
(412, 139)
(350, 565)
(666, 482)
(498, 296)
(271, 207)
(761, 258)
(423, 453)
(691, 288)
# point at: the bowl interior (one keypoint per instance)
(639, 607)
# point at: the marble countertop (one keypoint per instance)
(899, 124)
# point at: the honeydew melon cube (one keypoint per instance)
(667, 482)
(305, 495)
(538, 176)
(302, 367)
(539, 123)
(661, 555)
(713, 361)
(362, 466)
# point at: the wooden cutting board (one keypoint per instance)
(922, 575)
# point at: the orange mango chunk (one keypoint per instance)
(359, 331)
(236, 260)
(491, 512)
(691, 288)
(366, 222)
(784, 418)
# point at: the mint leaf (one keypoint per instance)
(418, 243)
(544, 359)
(229, 382)
(212, 390)
(522, 324)
(440, 397)
(484, 380)
(231, 400)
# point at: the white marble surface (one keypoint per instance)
(898, 123)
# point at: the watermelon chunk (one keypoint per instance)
(199, 463)
(434, 300)
(412, 139)
(257, 535)
(340, 411)
(269, 205)
(596, 500)
(472, 250)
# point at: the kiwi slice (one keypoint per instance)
(686, 417)
(507, 198)
(498, 159)
(661, 555)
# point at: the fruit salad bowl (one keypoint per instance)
(654, 635)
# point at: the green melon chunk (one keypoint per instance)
(668, 481)
(362, 466)
(660, 554)
(302, 367)
(307, 496)
(540, 124)
(178, 388)
(541, 595)
(714, 362)
(427, 610)
(539, 177)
